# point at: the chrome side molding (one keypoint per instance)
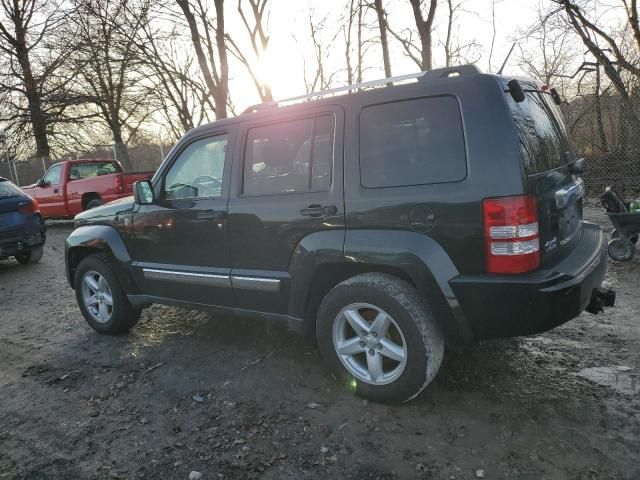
(253, 283)
(187, 277)
(212, 280)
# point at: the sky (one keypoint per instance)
(290, 45)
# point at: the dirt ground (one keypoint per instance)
(189, 391)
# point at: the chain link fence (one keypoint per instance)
(23, 172)
(605, 130)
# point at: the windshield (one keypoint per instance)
(541, 132)
(8, 189)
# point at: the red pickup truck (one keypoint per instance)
(72, 186)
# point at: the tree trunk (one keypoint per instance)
(382, 25)
(196, 40)
(359, 78)
(599, 123)
(37, 116)
(121, 151)
(222, 89)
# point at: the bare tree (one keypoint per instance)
(110, 67)
(455, 52)
(256, 29)
(214, 67)
(176, 81)
(384, 43)
(420, 51)
(546, 51)
(591, 34)
(25, 27)
(320, 79)
(616, 61)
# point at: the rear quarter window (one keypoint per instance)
(412, 142)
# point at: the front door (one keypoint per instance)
(179, 243)
(287, 186)
(50, 196)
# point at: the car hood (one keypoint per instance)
(108, 213)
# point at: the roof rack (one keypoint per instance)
(420, 76)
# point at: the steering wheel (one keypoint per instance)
(202, 179)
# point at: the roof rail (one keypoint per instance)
(355, 86)
(420, 76)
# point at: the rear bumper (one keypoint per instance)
(23, 239)
(507, 306)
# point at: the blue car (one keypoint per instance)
(22, 228)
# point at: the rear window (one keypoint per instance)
(88, 170)
(542, 134)
(412, 142)
(8, 189)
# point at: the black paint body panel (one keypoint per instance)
(274, 256)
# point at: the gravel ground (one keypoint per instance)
(189, 391)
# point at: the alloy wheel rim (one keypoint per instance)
(370, 344)
(97, 296)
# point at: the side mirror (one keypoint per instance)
(41, 183)
(143, 192)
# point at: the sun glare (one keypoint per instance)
(278, 71)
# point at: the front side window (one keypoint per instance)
(289, 157)
(412, 142)
(198, 171)
(53, 175)
(79, 171)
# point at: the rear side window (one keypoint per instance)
(8, 189)
(412, 142)
(289, 157)
(542, 134)
(87, 170)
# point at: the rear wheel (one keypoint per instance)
(376, 334)
(102, 300)
(32, 256)
(93, 203)
(621, 249)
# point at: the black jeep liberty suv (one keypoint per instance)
(388, 220)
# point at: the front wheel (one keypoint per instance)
(102, 300)
(376, 334)
(32, 256)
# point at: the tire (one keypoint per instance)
(32, 256)
(621, 249)
(411, 328)
(615, 234)
(93, 203)
(120, 316)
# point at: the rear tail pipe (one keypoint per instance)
(601, 298)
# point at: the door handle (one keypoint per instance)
(216, 215)
(319, 210)
(55, 190)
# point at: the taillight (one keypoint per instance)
(119, 184)
(512, 241)
(29, 206)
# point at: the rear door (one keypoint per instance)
(547, 164)
(287, 185)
